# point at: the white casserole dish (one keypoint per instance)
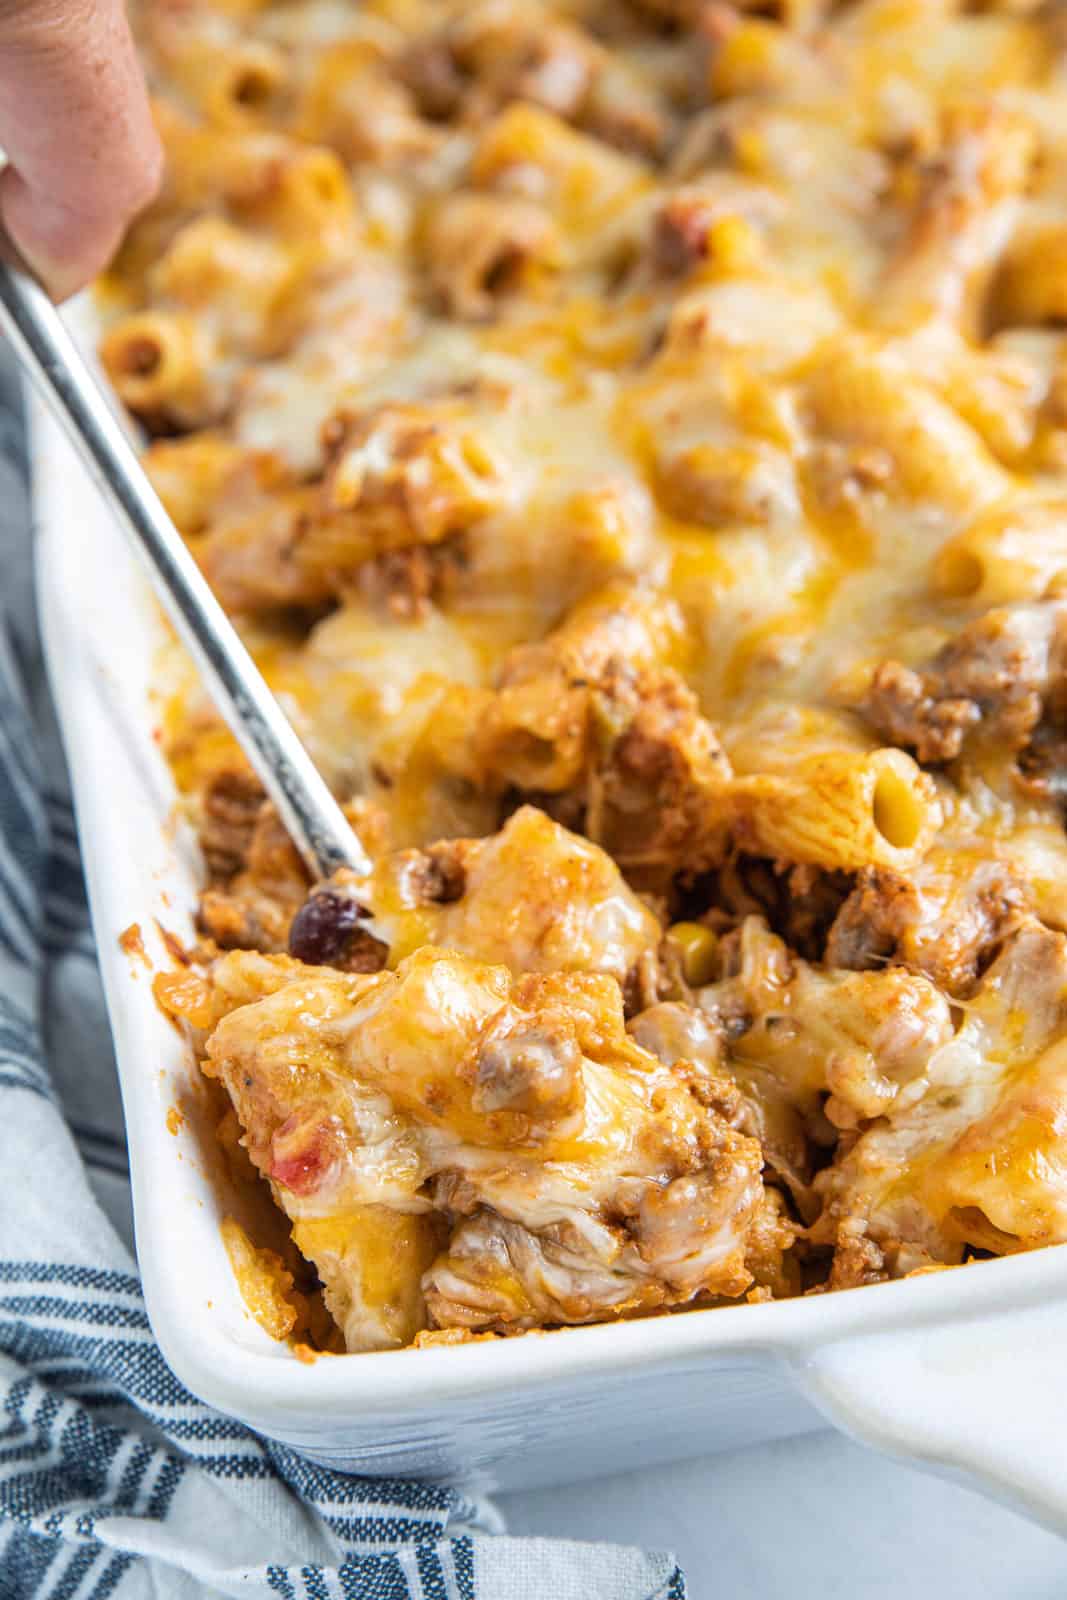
(961, 1371)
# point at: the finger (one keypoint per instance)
(75, 123)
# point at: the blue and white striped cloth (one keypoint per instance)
(114, 1480)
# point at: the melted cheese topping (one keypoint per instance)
(654, 412)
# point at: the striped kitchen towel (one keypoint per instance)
(114, 1480)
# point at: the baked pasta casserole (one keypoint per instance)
(632, 437)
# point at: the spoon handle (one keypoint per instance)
(51, 359)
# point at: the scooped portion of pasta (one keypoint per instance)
(502, 1144)
(632, 437)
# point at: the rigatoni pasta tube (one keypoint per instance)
(266, 1285)
(963, 221)
(251, 285)
(303, 195)
(353, 104)
(583, 175)
(1011, 553)
(842, 810)
(206, 164)
(230, 84)
(187, 474)
(371, 1260)
(161, 365)
(866, 398)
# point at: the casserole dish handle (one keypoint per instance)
(982, 1399)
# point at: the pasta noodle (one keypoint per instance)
(162, 365)
(631, 436)
(841, 811)
(1013, 554)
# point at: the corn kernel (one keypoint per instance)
(733, 244)
(699, 948)
(751, 59)
(750, 151)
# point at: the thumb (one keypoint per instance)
(75, 123)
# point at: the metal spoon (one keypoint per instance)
(315, 821)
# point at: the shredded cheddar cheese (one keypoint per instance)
(631, 436)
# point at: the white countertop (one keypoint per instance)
(806, 1517)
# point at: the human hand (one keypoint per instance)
(75, 123)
